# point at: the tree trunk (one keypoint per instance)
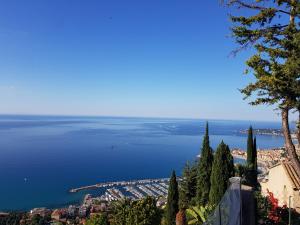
(289, 146)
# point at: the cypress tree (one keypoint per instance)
(172, 201)
(188, 185)
(222, 170)
(251, 173)
(255, 154)
(250, 148)
(255, 172)
(204, 170)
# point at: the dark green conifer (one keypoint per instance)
(222, 170)
(250, 148)
(188, 185)
(172, 201)
(251, 173)
(204, 170)
(255, 154)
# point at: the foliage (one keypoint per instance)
(222, 170)
(204, 170)
(188, 185)
(144, 212)
(273, 29)
(39, 220)
(13, 218)
(198, 214)
(172, 201)
(181, 218)
(240, 170)
(100, 219)
(250, 171)
(250, 148)
(269, 212)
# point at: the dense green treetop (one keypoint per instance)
(222, 170)
(204, 170)
(172, 201)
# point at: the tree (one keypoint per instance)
(181, 218)
(172, 201)
(204, 170)
(251, 168)
(250, 148)
(272, 29)
(100, 219)
(188, 185)
(222, 170)
(144, 211)
(255, 153)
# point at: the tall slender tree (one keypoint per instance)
(255, 153)
(251, 173)
(204, 170)
(255, 171)
(172, 201)
(250, 148)
(222, 170)
(273, 29)
(188, 185)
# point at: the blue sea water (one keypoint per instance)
(42, 157)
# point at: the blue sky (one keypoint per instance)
(122, 58)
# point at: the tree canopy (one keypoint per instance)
(272, 28)
(204, 170)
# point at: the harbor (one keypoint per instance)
(120, 183)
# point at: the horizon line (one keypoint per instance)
(142, 117)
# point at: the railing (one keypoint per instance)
(229, 210)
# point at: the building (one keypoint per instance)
(58, 214)
(72, 211)
(283, 182)
(82, 211)
(40, 211)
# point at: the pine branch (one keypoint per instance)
(254, 6)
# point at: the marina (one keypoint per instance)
(135, 190)
(121, 183)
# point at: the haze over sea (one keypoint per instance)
(42, 157)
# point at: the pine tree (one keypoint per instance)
(172, 201)
(204, 170)
(250, 148)
(272, 28)
(222, 170)
(188, 185)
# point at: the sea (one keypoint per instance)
(42, 157)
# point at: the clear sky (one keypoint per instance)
(158, 58)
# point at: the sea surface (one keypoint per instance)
(42, 157)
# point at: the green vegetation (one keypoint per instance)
(250, 148)
(222, 170)
(136, 212)
(13, 218)
(204, 170)
(188, 186)
(198, 214)
(100, 219)
(172, 201)
(250, 171)
(272, 29)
